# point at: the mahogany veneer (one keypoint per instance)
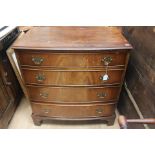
(73, 94)
(71, 77)
(73, 73)
(66, 60)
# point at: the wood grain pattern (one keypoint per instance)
(73, 111)
(73, 94)
(72, 78)
(72, 38)
(81, 59)
(63, 70)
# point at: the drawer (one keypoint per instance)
(71, 78)
(73, 111)
(68, 60)
(73, 94)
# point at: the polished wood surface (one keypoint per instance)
(72, 38)
(60, 59)
(73, 111)
(72, 77)
(73, 94)
(63, 70)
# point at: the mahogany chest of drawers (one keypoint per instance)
(73, 73)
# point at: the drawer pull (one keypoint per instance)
(102, 95)
(104, 77)
(99, 111)
(44, 95)
(46, 111)
(37, 60)
(40, 77)
(107, 60)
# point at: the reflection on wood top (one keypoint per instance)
(72, 38)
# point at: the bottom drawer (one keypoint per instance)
(73, 111)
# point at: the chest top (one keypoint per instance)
(72, 38)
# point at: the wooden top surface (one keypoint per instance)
(72, 38)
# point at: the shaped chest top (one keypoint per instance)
(72, 38)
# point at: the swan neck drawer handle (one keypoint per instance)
(107, 60)
(37, 60)
(40, 77)
(44, 95)
(99, 111)
(46, 111)
(102, 95)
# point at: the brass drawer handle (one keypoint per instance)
(40, 77)
(46, 111)
(44, 95)
(102, 95)
(107, 60)
(37, 60)
(99, 111)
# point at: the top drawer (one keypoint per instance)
(70, 60)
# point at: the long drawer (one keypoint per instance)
(68, 60)
(73, 94)
(72, 78)
(73, 111)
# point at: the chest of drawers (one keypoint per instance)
(73, 73)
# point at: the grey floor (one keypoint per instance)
(22, 120)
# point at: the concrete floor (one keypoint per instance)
(22, 120)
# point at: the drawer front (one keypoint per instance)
(72, 78)
(73, 94)
(73, 111)
(44, 59)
